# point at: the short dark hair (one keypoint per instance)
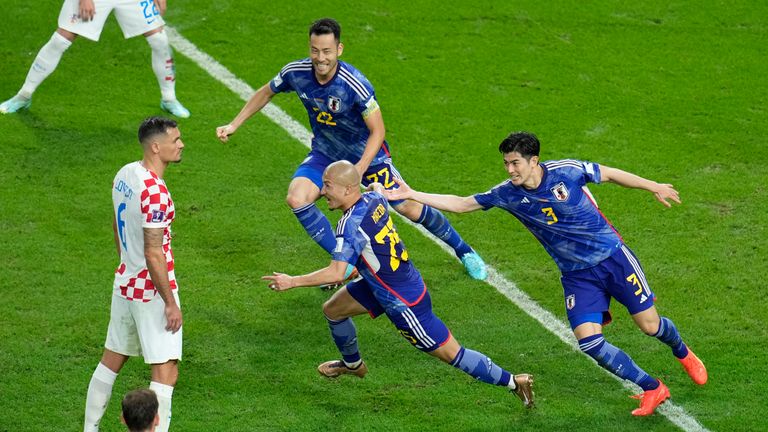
(325, 26)
(139, 409)
(153, 126)
(524, 143)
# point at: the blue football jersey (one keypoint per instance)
(336, 109)
(561, 213)
(366, 238)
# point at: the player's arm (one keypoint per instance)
(662, 191)
(116, 235)
(258, 101)
(158, 272)
(376, 132)
(333, 273)
(451, 203)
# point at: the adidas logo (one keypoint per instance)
(304, 96)
(643, 298)
(525, 200)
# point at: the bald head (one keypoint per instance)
(342, 173)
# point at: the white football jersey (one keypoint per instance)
(140, 200)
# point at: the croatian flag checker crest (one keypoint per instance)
(158, 215)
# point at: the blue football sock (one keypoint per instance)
(436, 223)
(616, 361)
(317, 226)
(345, 336)
(669, 335)
(481, 367)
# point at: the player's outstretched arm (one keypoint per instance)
(451, 203)
(376, 132)
(258, 101)
(282, 282)
(662, 191)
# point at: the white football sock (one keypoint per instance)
(99, 392)
(45, 63)
(164, 394)
(162, 64)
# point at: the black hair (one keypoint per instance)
(524, 143)
(153, 126)
(139, 409)
(325, 26)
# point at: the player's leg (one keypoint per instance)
(635, 294)
(164, 377)
(162, 350)
(165, 71)
(45, 63)
(432, 219)
(122, 342)
(481, 367)
(303, 191)
(339, 310)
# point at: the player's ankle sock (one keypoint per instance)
(344, 335)
(45, 63)
(99, 392)
(668, 334)
(317, 226)
(481, 367)
(436, 223)
(164, 394)
(162, 64)
(616, 361)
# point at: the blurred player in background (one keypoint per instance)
(390, 284)
(145, 317)
(552, 201)
(347, 125)
(86, 18)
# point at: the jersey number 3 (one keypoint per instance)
(389, 233)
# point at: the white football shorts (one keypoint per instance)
(134, 16)
(137, 328)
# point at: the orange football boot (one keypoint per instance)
(650, 399)
(694, 367)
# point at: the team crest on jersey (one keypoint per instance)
(158, 215)
(560, 192)
(334, 104)
(570, 301)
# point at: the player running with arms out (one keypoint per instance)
(551, 200)
(145, 317)
(86, 18)
(390, 284)
(347, 124)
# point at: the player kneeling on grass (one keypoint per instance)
(389, 283)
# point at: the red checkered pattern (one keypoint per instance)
(157, 211)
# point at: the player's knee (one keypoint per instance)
(331, 311)
(295, 200)
(649, 327)
(410, 209)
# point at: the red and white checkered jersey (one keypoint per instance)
(140, 201)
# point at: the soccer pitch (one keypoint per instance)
(674, 93)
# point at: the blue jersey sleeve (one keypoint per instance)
(591, 172)
(282, 81)
(490, 198)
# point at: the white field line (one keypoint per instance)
(549, 321)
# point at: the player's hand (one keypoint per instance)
(87, 10)
(223, 132)
(666, 192)
(376, 187)
(161, 6)
(279, 281)
(402, 192)
(173, 316)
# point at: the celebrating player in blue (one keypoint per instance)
(551, 200)
(389, 284)
(347, 125)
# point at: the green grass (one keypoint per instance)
(672, 91)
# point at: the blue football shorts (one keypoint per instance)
(315, 164)
(417, 323)
(588, 292)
